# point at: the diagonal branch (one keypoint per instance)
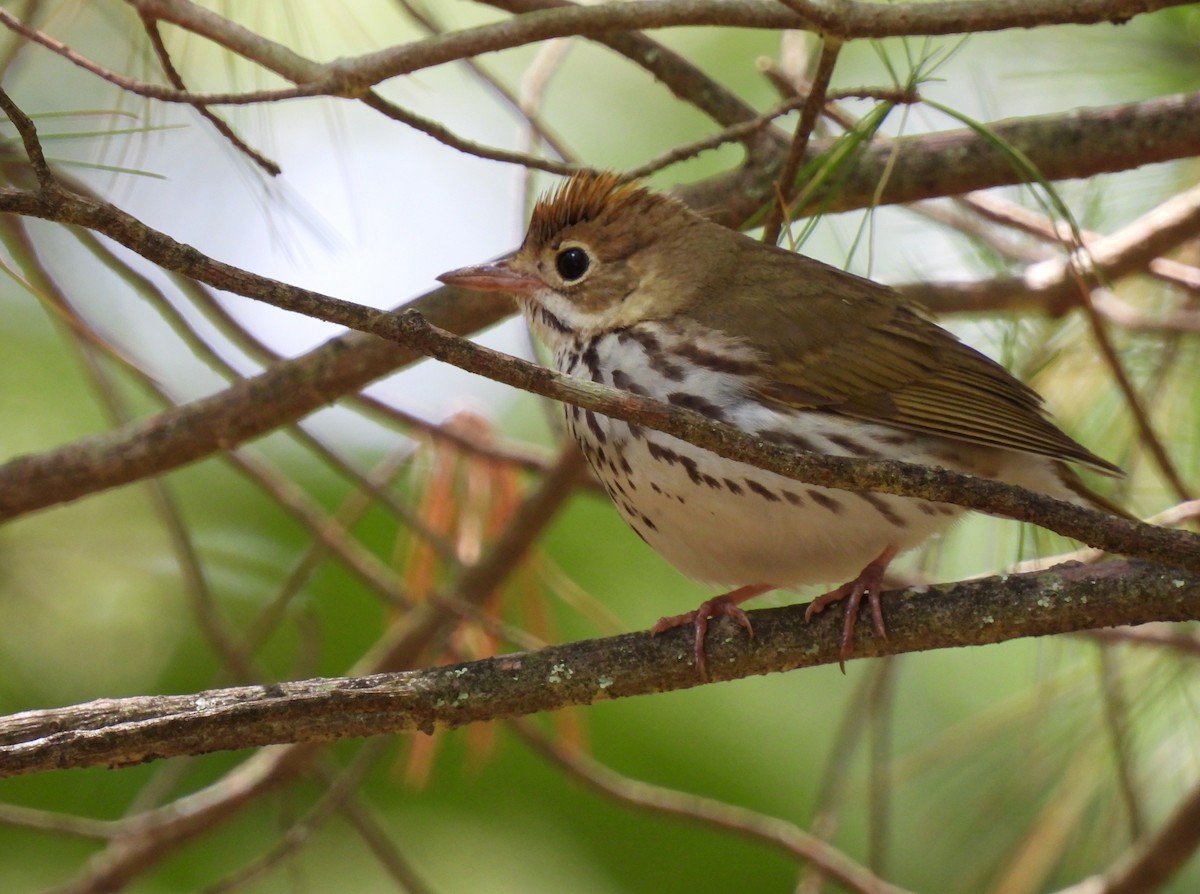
(412, 331)
(1099, 529)
(220, 125)
(814, 104)
(1119, 137)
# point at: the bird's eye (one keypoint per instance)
(572, 263)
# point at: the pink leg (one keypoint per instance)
(724, 605)
(869, 583)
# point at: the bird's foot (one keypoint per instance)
(726, 605)
(869, 583)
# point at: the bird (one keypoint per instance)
(629, 288)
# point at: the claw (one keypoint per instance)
(726, 605)
(869, 583)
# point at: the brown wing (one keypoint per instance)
(849, 346)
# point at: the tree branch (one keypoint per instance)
(121, 732)
(849, 20)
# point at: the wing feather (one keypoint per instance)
(850, 346)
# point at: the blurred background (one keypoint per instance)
(1015, 768)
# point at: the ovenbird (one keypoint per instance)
(631, 289)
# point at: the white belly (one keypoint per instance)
(732, 524)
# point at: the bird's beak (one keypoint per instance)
(498, 276)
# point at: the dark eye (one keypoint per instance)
(572, 263)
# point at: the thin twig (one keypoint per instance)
(758, 827)
(744, 130)
(153, 91)
(444, 135)
(681, 77)
(152, 836)
(881, 705)
(1010, 214)
(835, 775)
(780, 210)
(1159, 636)
(1052, 285)
(1151, 864)
(343, 517)
(382, 843)
(1174, 516)
(358, 559)
(340, 787)
(1137, 409)
(58, 823)
(734, 133)
(29, 138)
(1117, 724)
(220, 125)
(494, 83)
